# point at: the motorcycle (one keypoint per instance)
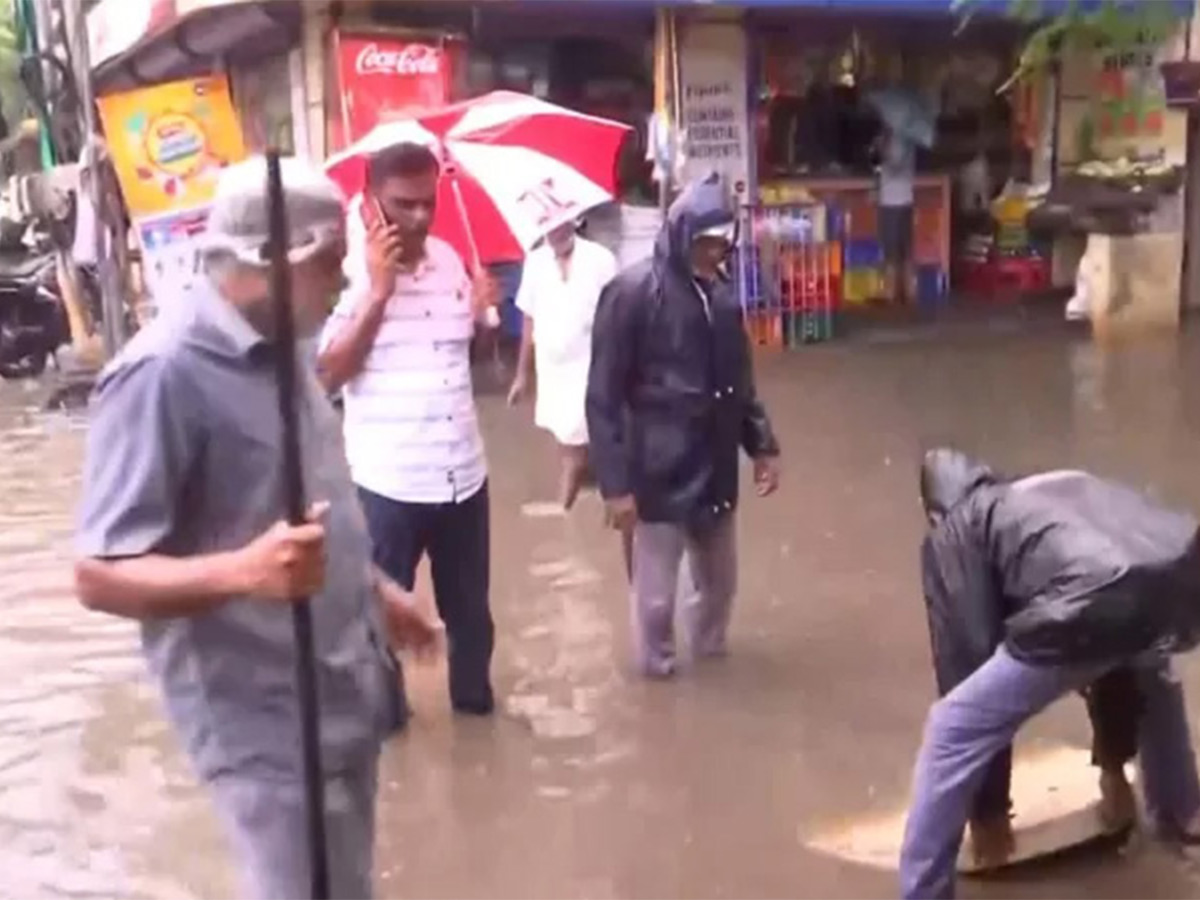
(33, 320)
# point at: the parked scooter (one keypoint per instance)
(33, 320)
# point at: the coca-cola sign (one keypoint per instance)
(382, 78)
(406, 60)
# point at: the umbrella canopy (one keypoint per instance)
(513, 168)
(905, 113)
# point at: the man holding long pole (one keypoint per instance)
(180, 528)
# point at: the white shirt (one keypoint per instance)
(562, 310)
(410, 425)
(896, 172)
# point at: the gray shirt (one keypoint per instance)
(184, 458)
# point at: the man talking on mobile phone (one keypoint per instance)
(399, 346)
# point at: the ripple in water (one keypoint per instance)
(93, 800)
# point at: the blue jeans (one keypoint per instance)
(980, 718)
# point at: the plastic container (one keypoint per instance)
(861, 285)
(861, 221)
(927, 249)
(764, 329)
(931, 287)
(863, 253)
(1013, 276)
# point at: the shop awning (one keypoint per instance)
(992, 7)
(132, 42)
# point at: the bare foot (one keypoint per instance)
(1189, 832)
(992, 842)
(1118, 807)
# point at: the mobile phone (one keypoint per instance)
(372, 202)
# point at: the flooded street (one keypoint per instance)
(592, 783)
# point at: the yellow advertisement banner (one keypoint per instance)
(169, 142)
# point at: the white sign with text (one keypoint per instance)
(714, 101)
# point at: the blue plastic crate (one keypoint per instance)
(509, 277)
(863, 254)
(932, 287)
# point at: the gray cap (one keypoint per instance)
(237, 222)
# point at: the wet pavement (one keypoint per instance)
(592, 783)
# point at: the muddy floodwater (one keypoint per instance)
(590, 783)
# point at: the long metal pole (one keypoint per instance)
(293, 482)
(112, 303)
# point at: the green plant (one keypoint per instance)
(13, 99)
(1110, 27)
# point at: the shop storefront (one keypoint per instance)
(776, 94)
(799, 131)
(798, 135)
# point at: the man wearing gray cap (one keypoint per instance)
(180, 529)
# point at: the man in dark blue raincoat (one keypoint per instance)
(1036, 588)
(670, 401)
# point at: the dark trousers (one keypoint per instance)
(456, 537)
(1115, 706)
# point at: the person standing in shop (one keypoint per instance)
(399, 345)
(897, 173)
(560, 287)
(670, 401)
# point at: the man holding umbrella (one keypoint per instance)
(479, 182)
(399, 345)
(180, 529)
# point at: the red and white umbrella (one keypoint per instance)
(513, 168)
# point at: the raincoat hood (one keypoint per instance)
(704, 204)
(948, 477)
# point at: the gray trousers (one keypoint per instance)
(980, 717)
(659, 550)
(265, 823)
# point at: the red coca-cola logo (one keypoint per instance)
(411, 59)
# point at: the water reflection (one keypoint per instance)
(590, 782)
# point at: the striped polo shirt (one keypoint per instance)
(411, 430)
